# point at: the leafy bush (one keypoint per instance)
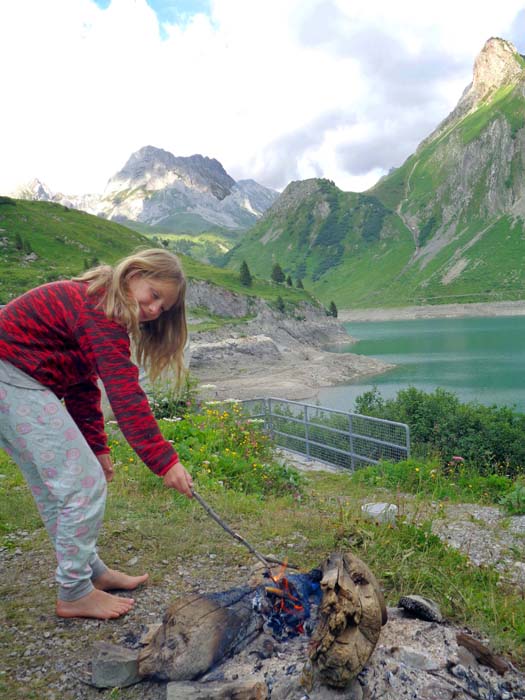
(221, 449)
(514, 500)
(490, 438)
(224, 450)
(456, 481)
(167, 401)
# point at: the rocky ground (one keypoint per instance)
(49, 658)
(277, 355)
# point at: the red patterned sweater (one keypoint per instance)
(55, 334)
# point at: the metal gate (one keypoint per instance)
(348, 440)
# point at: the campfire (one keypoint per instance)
(285, 602)
(327, 620)
(313, 630)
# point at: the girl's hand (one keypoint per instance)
(178, 478)
(107, 466)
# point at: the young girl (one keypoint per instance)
(55, 342)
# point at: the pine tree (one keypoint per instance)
(332, 309)
(280, 304)
(289, 281)
(245, 274)
(299, 283)
(277, 273)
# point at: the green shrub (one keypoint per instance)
(514, 500)
(224, 450)
(488, 437)
(455, 481)
(167, 401)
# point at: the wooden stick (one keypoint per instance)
(235, 535)
(482, 653)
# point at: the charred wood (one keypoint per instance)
(197, 632)
(351, 614)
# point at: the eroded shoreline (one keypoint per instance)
(298, 371)
(479, 309)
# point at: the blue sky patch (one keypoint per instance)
(171, 11)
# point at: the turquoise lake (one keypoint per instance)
(479, 359)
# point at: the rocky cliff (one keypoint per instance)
(272, 353)
(474, 160)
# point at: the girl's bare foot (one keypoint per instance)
(112, 580)
(97, 604)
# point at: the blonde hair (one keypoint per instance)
(159, 344)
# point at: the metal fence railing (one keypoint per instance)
(347, 440)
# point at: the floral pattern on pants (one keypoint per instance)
(65, 478)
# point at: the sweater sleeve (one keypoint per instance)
(83, 401)
(108, 344)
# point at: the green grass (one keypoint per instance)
(229, 279)
(64, 240)
(317, 514)
(504, 100)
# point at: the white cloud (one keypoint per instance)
(274, 89)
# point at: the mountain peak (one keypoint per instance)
(35, 189)
(299, 190)
(497, 64)
(155, 169)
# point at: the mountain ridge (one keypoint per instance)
(178, 193)
(445, 226)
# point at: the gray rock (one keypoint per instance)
(380, 512)
(114, 666)
(437, 691)
(222, 690)
(416, 659)
(423, 608)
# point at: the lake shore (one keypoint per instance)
(292, 369)
(407, 313)
(291, 377)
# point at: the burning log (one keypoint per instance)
(351, 614)
(197, 632)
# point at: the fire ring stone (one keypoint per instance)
(423, 608)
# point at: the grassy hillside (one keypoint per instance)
(447, 226)
(203, 242)
(343, 245)
(229, 279)
(209, 247)
(41, 241)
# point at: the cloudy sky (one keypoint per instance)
(276, 90)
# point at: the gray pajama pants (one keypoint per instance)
(64, 475)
